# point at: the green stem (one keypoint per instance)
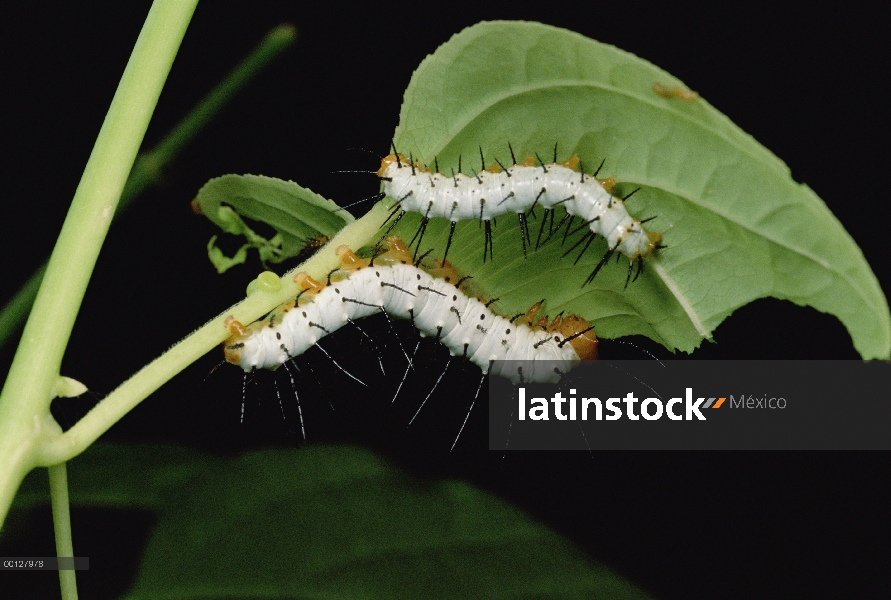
(150, 164)
(58, 479)
(133, 391)
(16, 310)
(26, 396)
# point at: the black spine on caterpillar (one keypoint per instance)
(495, 191)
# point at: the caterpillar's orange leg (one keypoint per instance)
(235, 327)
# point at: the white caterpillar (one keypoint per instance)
(430, 297)
(498, 190)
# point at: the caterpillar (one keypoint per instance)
(426, 292)
(497, 190)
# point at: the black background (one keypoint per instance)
(809, 83)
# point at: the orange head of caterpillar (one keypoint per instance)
(233, 346)
(388, 160)
(231, 351)
(396, 159)
(580, 335)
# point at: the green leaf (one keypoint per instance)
(222, 262)
(736, 225)
(329, 522)
(297, 214)
(324, 522)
